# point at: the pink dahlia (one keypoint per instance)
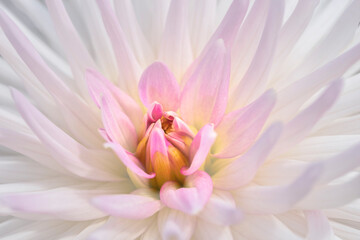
(180, 120)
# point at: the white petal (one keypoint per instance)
(254, 81)
(117, 228)
(332, 196)
(174, 224)
(263, 227)
(318, 226)
(175, 48)
(277, 199)
(210, 231)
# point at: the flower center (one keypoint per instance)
(164, 147)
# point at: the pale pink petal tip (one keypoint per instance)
(157, 83)
(190, 200)
(200, 148)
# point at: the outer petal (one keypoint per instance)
(318, 226)
(64, 148)
(173, 224)
(278, 199)
(231, 23)
(242, 170)
(65, 202)
(175, 48)
(239, 129)
(255, 80)
(205, 94)
(332, 196)
(200, 148)
(189, 200)
(298, 127)
(46, 76)
(157, 83)
(221, 209)
(129, 69)
(118, 228)
(129, 206)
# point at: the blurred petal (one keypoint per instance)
(174, 224)
(318, 226)
(129, 206)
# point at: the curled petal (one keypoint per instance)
(157, 83)
(190, 200)
(117, 125)
(200, 148)
(128, 206)
(128, 160)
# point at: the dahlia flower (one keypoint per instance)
(180, 119)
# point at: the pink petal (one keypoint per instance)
(96, 88)
(157, 83)
(180, 126)
(117, 125)
(192, 199)
(129, 69)
(277, 199)
(205, 94)
(128, 161)
(200, 148)
(99, 85)
(128, 206)
(157, 141)
(239, 129)
(318, 226)
(242, 170)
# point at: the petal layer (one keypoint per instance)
(190, 199)
(157, 83)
